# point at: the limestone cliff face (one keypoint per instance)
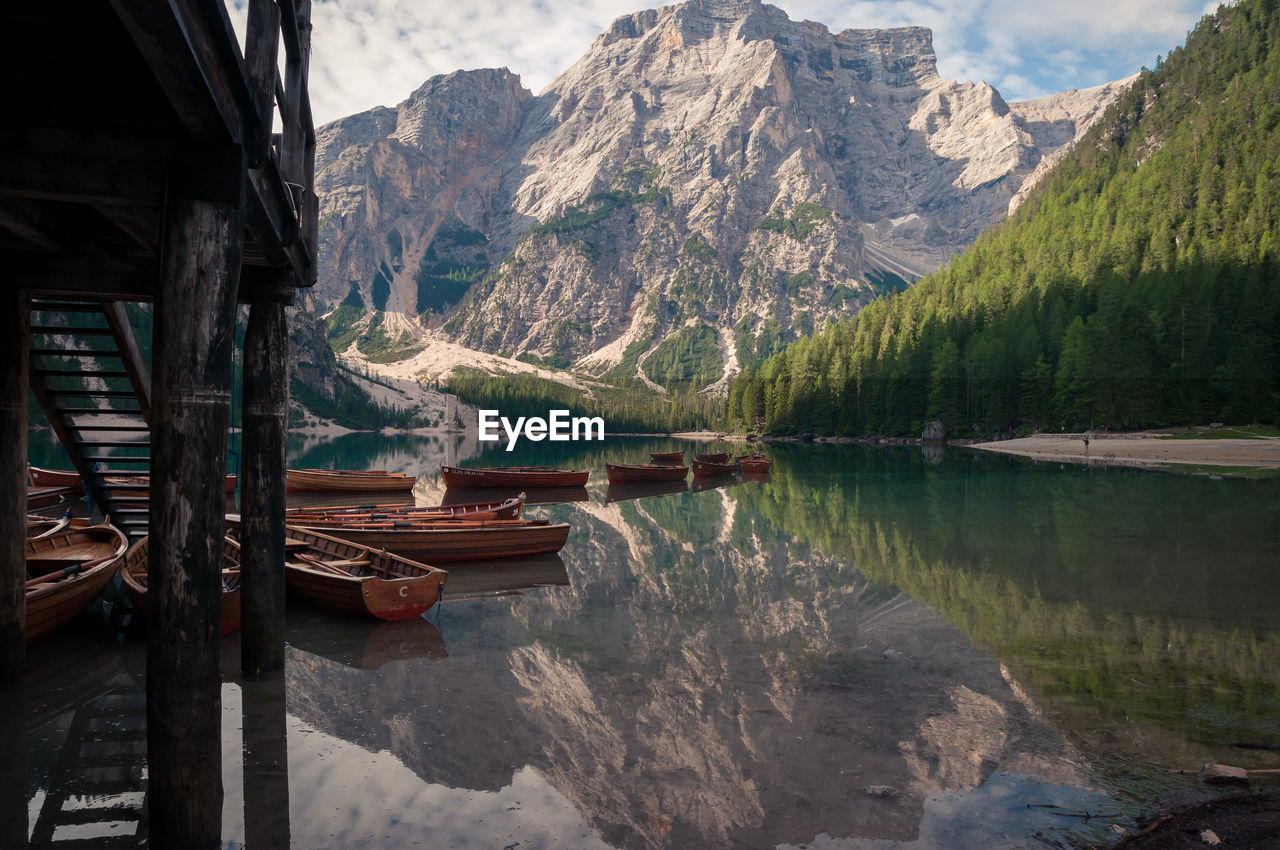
(712, 165)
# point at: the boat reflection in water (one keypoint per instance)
(361, 643)
(857, 654)
(629, 491)
(504, 576)
(533, 495)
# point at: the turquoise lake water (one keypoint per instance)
(866, 648)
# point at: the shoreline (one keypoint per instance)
(1141, 449)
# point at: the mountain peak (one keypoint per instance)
(713, 169)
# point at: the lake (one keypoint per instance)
(866, 648)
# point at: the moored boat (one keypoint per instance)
(513, 476)
(535, 496)
(455, 540)
(502, 509)
(347, 480)
(713, 457)
(755, 463)
(134, 576)
(709, 469)
(230, 481)
(627, 473)
(667, 457)
(39, 526)
(46, 479)
(66, 572)
(350, 578)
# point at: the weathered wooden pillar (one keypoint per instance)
(262, 494)
(266, 764)
(14, 325)
(194, 328)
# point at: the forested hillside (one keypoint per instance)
(1137, 286)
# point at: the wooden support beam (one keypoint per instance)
(194, 332)
(262, 43)
(14, 324)
(262, 495)
(130, 354)
(180, 43)
(90, 278)
(40, 175)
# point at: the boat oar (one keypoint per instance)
(66, 571)
(311, 560)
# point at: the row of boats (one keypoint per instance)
(369, 560)
(373, 560)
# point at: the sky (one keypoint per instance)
(368, 53)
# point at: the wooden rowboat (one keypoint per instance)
(504, 509)
(66, 572)
(49, 478)
(39, 526)
(667, 457)
(711, 469)
(755, 463)
(134, 576)
(513, 476)
(352, 579)
(627, 473)
(230, 484)
(70, 478)
(455, 540)
(346, 480)
(713, 457)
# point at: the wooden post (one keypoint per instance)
(266, 763)
(203, 243)
(14, 325)
(262, 495)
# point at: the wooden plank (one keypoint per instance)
(130, 353)
(262, 480)
(194, 324)
(262, 43)
(181, 52)
(14, 321)
(45, 176)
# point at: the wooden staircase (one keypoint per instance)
(89, 377)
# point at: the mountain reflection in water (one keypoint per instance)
(864, 648)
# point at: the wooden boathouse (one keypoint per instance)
(146, 157)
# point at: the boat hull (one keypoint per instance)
(134, 577)
(666, 457)
(713, 457)
(755, 463)
(52, 604)
(627, 473)
(331, 480)
(503, 509)
(48, 478)
(455, 476)
(461, 542)
(385, 585)
(708, 469)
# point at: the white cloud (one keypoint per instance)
(372, 52)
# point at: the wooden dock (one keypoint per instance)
(146, 157)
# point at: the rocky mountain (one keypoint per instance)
(709, 180)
